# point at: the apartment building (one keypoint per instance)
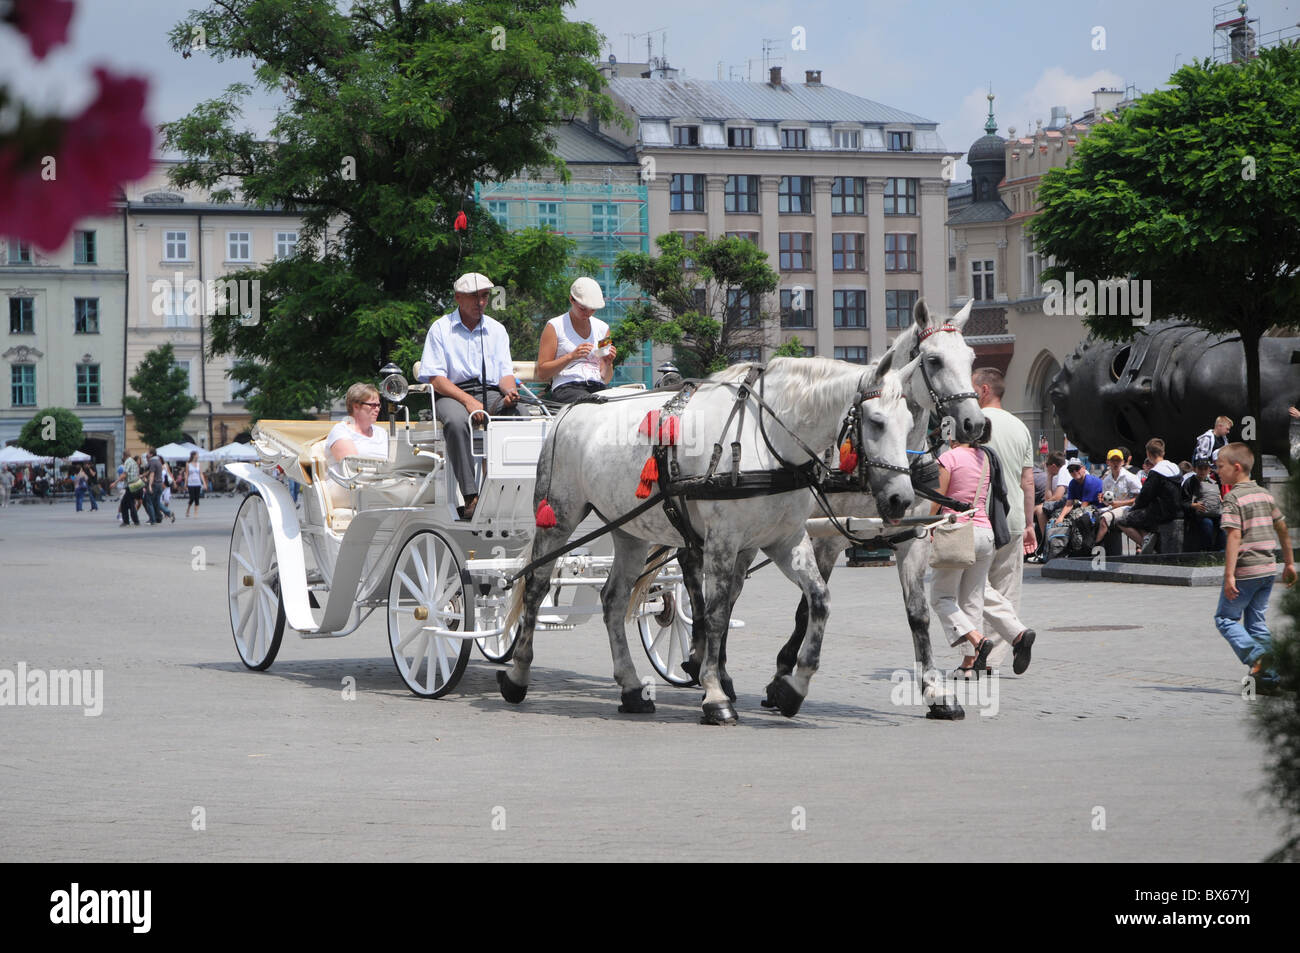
(846, 196)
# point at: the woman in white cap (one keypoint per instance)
(575, 352)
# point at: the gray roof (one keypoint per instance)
(981, 212)
(576, 143)
(716, 99)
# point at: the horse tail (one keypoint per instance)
(642, 587)
(516, 608)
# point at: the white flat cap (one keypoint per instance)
(586, 292)
(472, 282)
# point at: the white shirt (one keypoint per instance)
(374, 446)
(453, 351)
(567, 341)
(1126, 486)
(1062, 479)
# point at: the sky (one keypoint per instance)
(932, 58)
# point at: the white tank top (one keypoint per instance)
(567, 340)
(192, 474)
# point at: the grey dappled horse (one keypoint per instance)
(592, 458)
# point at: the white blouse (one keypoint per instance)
(375, 446)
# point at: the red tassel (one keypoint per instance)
(650, 425)
(649, 474)
(668, 431)
(545, 515)
(462, 222)
(848, 459)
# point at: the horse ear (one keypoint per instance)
(921, 314)
(884, 364)
(959, 319)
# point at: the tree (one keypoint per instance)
(164, 400)
(1196, 189)
(393, 110)
(706, 325)
(53, 432)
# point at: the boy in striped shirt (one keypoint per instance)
(1251, 520)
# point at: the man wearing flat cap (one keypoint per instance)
(467, 359)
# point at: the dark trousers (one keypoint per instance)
(574, 391)
(127, 506)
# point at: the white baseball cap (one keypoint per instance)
(472, 282)
(587, 293)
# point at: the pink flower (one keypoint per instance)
(44, 22)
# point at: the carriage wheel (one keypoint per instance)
(253, 585)
(665, 624)
(427, 588)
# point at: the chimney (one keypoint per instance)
(774, 76)
(1105, 100)
(812, 77)
(1058, 118)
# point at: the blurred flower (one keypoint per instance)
(43, 22)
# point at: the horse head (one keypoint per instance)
(945, 362)
(884, 422)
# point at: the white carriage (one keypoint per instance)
(385, 534)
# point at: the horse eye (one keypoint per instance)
(934, 360)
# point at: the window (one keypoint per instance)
(548, 216)
(176, 246)
(746, 354)
(900, 196)
(751, 237)
(794, 138)
(742, 308)
(604, 219)
(189, 378)
(740, 138)
(854, 355)
(796, 308)
(850, 309)
(847, 138)
(809, 351)
(1034, 266)
(83, 248)
(900, 142)
(22, 385)
(86, 311)
(286, 244)
(981, 278)
(898, 309)
(500, 210)
(239, 246)
(796, 251)
(87, 383)
(795, 194)
(742, 193)
(900, 252)
(688, 242)
(686, 193)
(22, 315)
(686, 135)
(20, 253)
(848, 195)
(848, 251)
(175, 316)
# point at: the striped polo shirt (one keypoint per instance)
(1250, 508)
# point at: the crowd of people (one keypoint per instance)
(147, 482)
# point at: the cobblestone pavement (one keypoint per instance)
(1131, 714)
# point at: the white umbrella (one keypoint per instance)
(79, 457)
(175, 451)
(17, 455)
(236, 453)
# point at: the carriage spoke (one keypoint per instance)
(411, 587)
(417, 562)
(407, 639)
(442, 659)
(248, 567)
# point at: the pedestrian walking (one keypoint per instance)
(6, 485)
(129, 477)
(79, 483)
(1253, 525)
(195, 481)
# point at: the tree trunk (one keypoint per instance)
(1250, 338)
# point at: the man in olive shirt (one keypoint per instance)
(1014, 448)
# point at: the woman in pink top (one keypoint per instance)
(957, 595)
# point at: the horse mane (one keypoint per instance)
(821, 387)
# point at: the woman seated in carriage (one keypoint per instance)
(356, 435)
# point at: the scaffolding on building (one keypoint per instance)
(604, 219)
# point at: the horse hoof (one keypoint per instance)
(511, 692)
(718, 713)
(634, 703)
(728, 687)
(769, 701)
(782, 696)
(692, 668)
(946, 712)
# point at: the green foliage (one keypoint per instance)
(791, 348)
(704, 328)
(163, 402)
(394, 110)
(1277, 719)
(1195, 188)
(65, 433)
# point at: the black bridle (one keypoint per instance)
(939, 401)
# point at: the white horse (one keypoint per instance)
(592, 458)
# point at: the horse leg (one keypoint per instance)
(743, 562)
(693, 579)
(827, 549)
(798, 561)
(719, 562)
(913, 559)
(629, 562)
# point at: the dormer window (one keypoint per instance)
(686, 135)
(740, 138)
(847, 139)
(900, 141)
(794, 138)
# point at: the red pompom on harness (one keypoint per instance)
(848, 459)
(649, 474)
(650, 425)
(545, 515)
(462, 222)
